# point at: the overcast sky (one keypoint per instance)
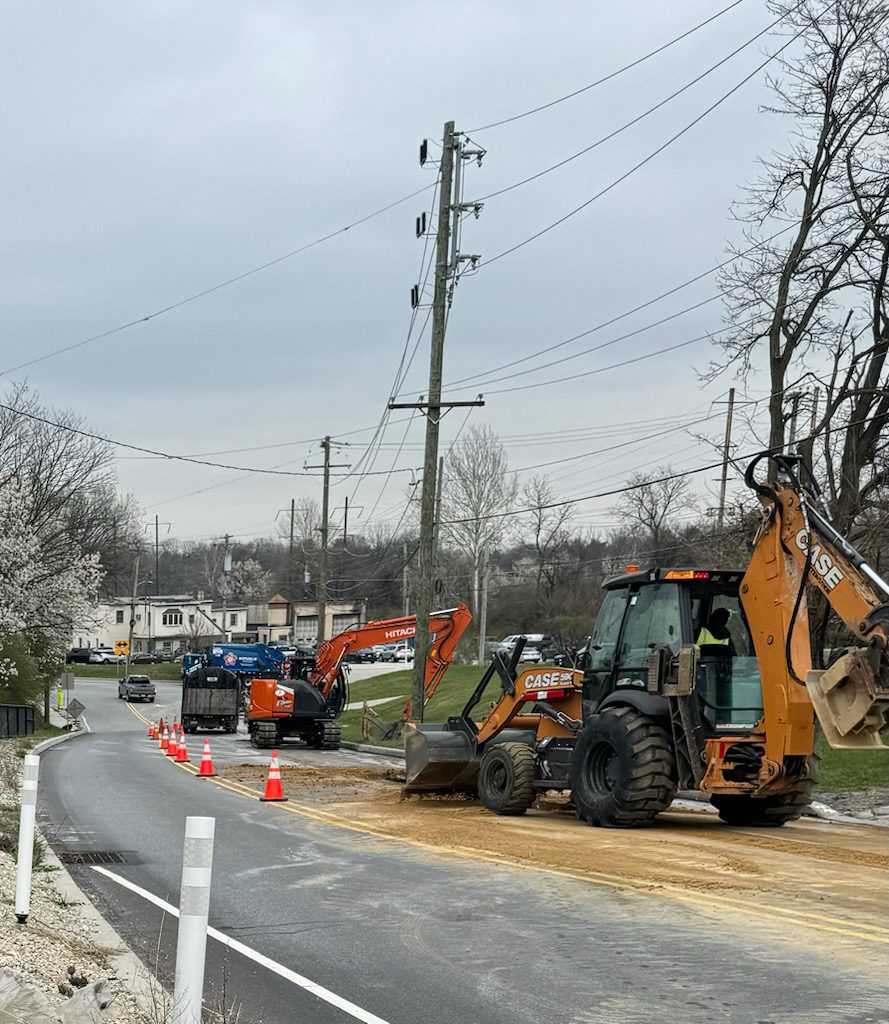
(154, 150)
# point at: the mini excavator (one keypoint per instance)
(308, 708)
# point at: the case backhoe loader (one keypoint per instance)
(695, 679)
(309, 708)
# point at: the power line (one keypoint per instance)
(660, 149)
(635, 487)
(640, 117)
(611, 75)
(215, 287)
(623, 316)
(159, 454)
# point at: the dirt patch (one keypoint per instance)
(308, 782)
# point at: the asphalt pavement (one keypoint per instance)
(404, 934)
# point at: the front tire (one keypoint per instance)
(506, 778)
(623, 772)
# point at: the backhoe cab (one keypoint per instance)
(698, 679)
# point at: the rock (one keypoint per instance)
(86, 1006)
(20, 1001)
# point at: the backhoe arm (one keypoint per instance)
(448, 626)
(797, 545)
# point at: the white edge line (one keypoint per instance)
(365, 1016)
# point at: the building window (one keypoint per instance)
(233, 619)
(191, 620)
(172, 617)
(118, 616)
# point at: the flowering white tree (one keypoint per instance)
(44, 590)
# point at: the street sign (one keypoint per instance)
(75, 708)
(67, 681)
(121, 647)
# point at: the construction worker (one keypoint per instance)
(716, 634)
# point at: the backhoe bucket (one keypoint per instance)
(851, 699)
(438, 759)
(376, 729)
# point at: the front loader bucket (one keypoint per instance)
(851, 700)
(438, 759)
(376, 729)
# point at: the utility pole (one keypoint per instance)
(725, 458)
(132, 613)
(447, 263)
(157, 548)
(404, 593)
(325, 515)
(439, 485)
(226, 569)
(483, 611)
(794, 413)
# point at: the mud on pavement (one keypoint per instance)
(810, 870)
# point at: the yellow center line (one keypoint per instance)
(821, 922)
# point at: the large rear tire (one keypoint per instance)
(623, 772)
(506, 778)
(769, 811)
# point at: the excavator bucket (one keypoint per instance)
(438, 759)
(851, 699)
(377, 730)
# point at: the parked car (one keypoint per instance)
(364, 656)
(164, 657)
(533, 640)
(398, 652)
(531, 655)
(78, 656)
(136, 688)
(377, 650)
(144, 658)
(104, 656)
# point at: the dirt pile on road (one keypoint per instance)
(309, 782)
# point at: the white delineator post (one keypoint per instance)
(194, 910)
(27, 823)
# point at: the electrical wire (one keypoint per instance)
(611, 75)
(640, 117)
(159, 454)
(622, 316)
(216, 287)
(635, 487)
(656, 152)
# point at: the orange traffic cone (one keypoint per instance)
(152, 732)
(273, 788)
(181, 749)
(163, 739)
(207, 771)
(173, 745)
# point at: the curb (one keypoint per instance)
(824, 812)
(368, 748)
(130, 970)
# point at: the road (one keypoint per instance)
(406, 932)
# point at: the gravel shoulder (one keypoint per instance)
(65, 939)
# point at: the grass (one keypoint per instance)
(851, 769)
(165, 670)
(455, 687)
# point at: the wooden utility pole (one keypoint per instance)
(483, 611)
(404, 593)
(447, 263)
(132, 614)
(725, 458)
(426, 558)
(325, 515)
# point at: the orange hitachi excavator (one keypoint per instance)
(694, 678)
(308, 708)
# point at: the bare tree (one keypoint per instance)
(792, 289)
(550, 534)
(652, 502)
(477, 486)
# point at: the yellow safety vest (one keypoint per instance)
(706, 638)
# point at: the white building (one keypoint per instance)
(171, 623)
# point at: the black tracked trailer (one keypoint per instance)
(210, 699)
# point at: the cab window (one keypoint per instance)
(601, 648)
(654, 618)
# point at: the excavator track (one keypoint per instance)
(331, 736)
(264, 735)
